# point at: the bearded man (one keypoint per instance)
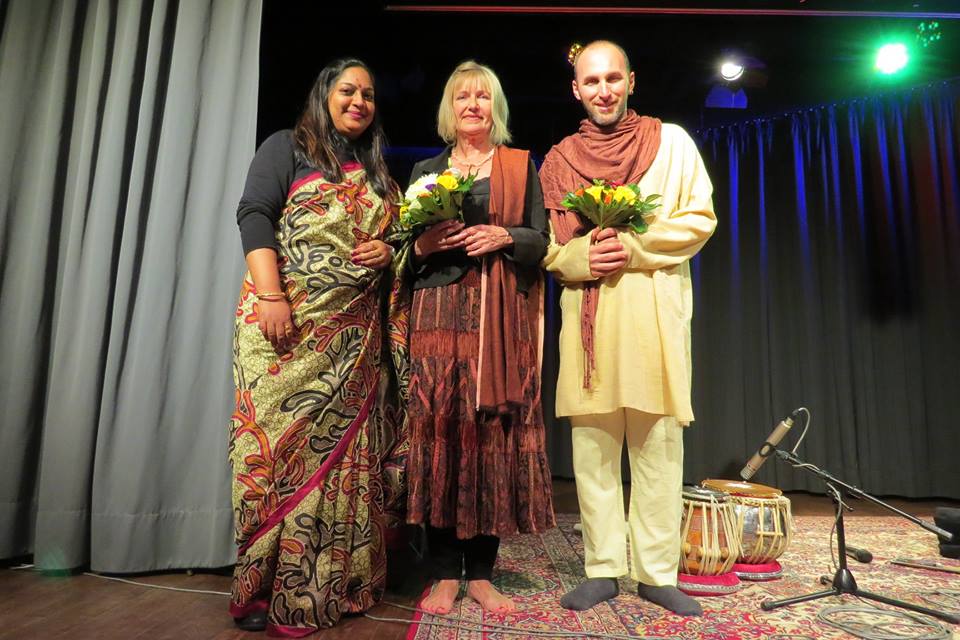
(627, 301)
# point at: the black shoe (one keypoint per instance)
(253, 622)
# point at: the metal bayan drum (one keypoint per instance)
(765, 525)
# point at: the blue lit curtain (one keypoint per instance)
(833, 282)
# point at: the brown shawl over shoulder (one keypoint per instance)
(499, 384)
(621, 154)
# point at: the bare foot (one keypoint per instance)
(489, 598)
(441, 597)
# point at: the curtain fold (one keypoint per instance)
(833, 282)
(127, 133)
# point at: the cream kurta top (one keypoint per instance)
(642, 329)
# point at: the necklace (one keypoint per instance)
(472, 165)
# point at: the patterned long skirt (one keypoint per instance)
(476, 472)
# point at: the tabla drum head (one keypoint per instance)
(701, 494)
(741, 488)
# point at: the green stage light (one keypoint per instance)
(891, 58)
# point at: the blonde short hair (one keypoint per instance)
(472, 72)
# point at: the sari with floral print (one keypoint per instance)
(318, 438)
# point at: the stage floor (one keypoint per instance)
(38, 606)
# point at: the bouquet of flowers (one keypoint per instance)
(434, 198)
(610, 204)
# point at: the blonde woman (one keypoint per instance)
(477, 468)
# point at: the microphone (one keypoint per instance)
(769, 446)
(860, 555)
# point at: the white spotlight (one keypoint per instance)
(731, 70)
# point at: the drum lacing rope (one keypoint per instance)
(768, 544)
(715, 518)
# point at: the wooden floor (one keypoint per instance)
(81, 606)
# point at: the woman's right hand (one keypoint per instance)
(437, 238)
(276, 323)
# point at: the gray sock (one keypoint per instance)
(670, 598)
(591, 592)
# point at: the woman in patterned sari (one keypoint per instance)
(317, 437)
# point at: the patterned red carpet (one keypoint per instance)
(537, 569)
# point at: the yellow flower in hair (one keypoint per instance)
(624, 194)
(596, 192)
(447, 182)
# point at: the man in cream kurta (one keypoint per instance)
(639, 388)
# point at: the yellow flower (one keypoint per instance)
(447, 182)
(424, 194)
(625, 194)
(595, 192)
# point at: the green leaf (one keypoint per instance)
(590, 209)
(428, 204)
(444, 196)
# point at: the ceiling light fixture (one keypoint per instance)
(731, 70)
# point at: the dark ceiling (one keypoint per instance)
(811, 52)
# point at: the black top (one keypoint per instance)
(273, 170)
(529, 240)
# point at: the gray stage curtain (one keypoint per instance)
(127, 129)
(832, 282)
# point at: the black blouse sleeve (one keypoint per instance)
(265, 192)
(530, 241)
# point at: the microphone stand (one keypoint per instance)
(843, 581)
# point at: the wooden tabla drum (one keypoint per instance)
(765, 524)
(710, 543)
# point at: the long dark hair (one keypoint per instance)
(320, 144)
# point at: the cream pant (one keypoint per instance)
(655, 447)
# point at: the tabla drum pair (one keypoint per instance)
(731, 530)
(764, 523)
